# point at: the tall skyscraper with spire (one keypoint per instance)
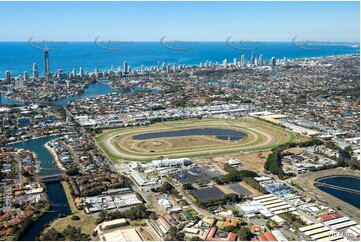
(46, 62)
(243, 61)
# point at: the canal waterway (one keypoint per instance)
(55, 192)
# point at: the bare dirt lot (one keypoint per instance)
(253, 161)
(250, 161)
(294, 151)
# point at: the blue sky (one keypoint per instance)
(201, 21)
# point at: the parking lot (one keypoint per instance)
(204, 194)
(196, 173)
(238, 189)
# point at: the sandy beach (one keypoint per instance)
(56, 158)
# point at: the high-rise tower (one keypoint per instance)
(243, 61)
(125, 67)
(252, 58)
(46, 62)
(35, 71)
(260, 60)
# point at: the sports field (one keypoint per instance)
(120, 144)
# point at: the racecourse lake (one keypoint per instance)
(224, 134)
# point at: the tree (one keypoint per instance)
(26, 174)
(172, 234)
(72, 171)
(253, 183)
(188, 186)
(153, 216)
(51, 235)
(244, 233)
(195, 238)
(74, 233)
(75, 217)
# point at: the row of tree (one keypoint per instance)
(233, 175)
(273, 163)
(255, 184)
(228, 198)
(134, 213)
(167, 188)
(70, 233)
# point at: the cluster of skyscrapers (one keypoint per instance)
(253, 61)
(126, 70)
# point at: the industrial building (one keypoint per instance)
(114, 223)
(122, 235)
(171, 162)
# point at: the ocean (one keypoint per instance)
(18, 57)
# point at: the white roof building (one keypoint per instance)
(165, 204)
(171, 162)
(278, 235)
(122, 235)
(114, 223)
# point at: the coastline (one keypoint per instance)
(85, 88)
(190, 64)
(55, 156)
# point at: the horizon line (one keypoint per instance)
(199, 41)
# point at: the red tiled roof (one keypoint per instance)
(256, 228)
(230, 223)
(6, 232)
(211, 233)
(270, 236)
(232, 236)
(327, 217)
(261, 237)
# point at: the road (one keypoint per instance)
(7, 198)
(18, 169)
(195, 207)
(75, 157)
